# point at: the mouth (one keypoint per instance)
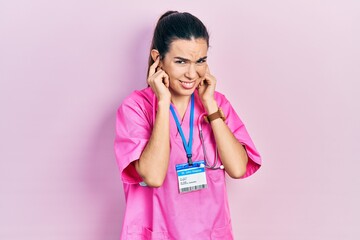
(187, 85)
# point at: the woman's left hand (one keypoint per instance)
(206, 91)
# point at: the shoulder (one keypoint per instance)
(141, 98)
(221, 99)
(137, 107)
(226, 106)
(138, 103)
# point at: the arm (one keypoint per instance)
(154, 160)
(233, 155)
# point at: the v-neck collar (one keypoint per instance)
(184, 122)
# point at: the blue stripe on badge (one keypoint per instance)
(187, 166)
(191, 171)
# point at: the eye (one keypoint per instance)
(180, 62)
(201, 61)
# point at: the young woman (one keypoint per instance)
(176, 139)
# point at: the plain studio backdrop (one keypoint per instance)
(290, 68)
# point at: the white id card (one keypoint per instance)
(191, 178)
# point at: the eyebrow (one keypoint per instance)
(188, 60)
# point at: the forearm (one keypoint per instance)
(154, 160)
(232, 153)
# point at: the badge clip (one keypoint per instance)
(190, 162)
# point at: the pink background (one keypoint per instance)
(290, 68)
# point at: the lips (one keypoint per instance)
(187, 85)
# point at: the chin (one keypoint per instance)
(183, 92)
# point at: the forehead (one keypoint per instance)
(190, 49)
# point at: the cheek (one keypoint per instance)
(201, 70)
(177, 71)
(172, 70)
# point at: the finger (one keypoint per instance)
(166, 80)
(153, 67)
(202, 80)
(153, 78)
(206, 80)
(158, 77)
(209, 79)
(201, 89)
(162, 77)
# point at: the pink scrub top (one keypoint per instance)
(164, 213)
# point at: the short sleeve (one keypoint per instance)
(133, 130)
(239, 130)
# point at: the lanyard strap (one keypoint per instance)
(187, 145)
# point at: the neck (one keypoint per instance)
(181, 103)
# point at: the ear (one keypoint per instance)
(154, 54)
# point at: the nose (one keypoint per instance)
(191, 72)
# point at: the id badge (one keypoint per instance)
(191, 178)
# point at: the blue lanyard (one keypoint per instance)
(187, 145)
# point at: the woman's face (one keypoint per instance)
(186, 65)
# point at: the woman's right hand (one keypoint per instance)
(159, 81)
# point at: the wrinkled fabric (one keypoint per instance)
(164, 213)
